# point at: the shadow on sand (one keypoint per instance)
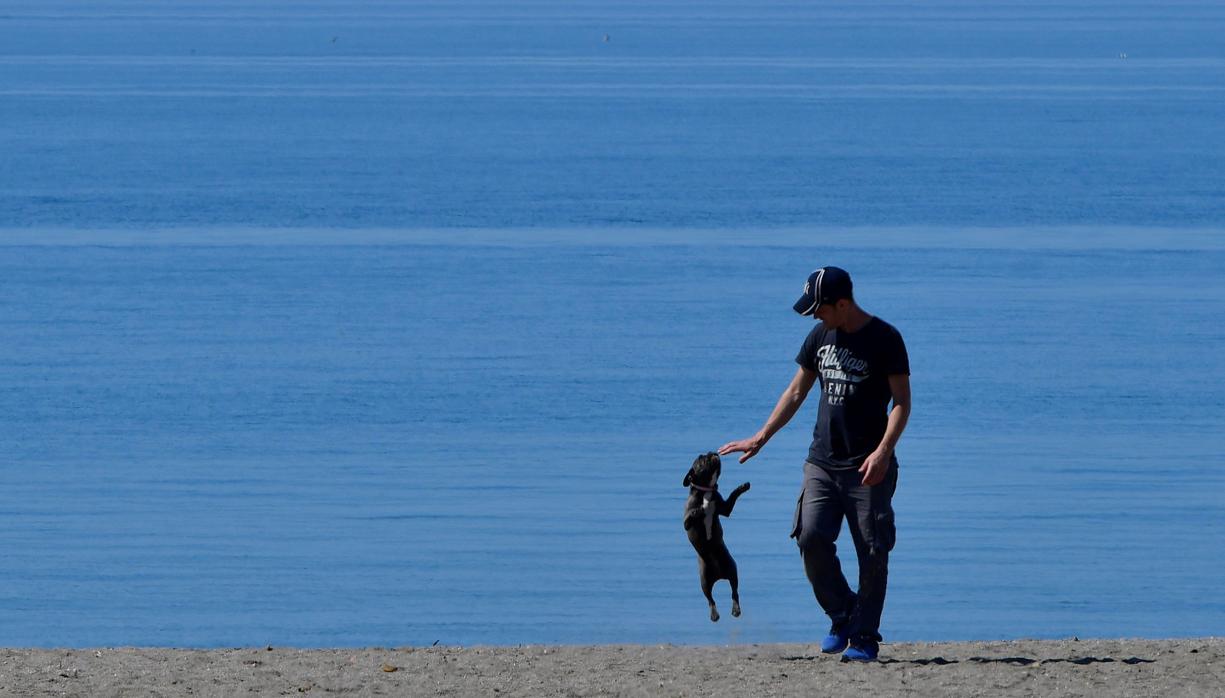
(1014, 661)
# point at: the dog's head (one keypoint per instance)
(704, 471)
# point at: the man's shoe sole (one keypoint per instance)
(834, 650)
(848, 656)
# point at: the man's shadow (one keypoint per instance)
(1013, 661)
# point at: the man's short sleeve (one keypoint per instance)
(897, 361)
(807, 358)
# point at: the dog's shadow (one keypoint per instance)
(1013, 661)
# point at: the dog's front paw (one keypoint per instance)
(743, 488)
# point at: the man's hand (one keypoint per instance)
(749, 447)
(875, 467)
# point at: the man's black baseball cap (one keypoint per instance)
(825, 285)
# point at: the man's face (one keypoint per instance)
(829, 314)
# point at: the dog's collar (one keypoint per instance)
(704, 489)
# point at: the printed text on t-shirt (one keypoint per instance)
(840, 371)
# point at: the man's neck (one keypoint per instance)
(856, 320)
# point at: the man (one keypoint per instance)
(851, 470)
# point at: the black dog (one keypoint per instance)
(702, 512)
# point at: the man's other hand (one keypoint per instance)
(875, 467)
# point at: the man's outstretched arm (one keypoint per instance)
(788, 404)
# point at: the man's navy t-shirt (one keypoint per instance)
(854, 369)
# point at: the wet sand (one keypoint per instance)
(1188, 667)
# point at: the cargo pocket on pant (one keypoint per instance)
(795, 519)
(885, 531)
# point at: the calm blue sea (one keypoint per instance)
(385, 324)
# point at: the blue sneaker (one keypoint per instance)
(837, 639)
(861, 651)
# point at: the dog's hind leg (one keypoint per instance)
(708, 584)
(734, 580)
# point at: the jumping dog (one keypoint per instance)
(702, 511)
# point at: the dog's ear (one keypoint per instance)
(688, 478)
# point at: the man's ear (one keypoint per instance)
(688, 477)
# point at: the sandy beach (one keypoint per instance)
(1188, 667)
